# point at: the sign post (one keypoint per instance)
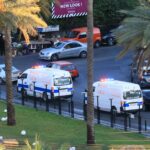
(69, 8)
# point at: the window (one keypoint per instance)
(68, 67)
(68, 46)
(81, 36)
(56, 66)
(23, 76)
(62, 81)
(72, 34)
(74, 45)
(132, 94)
(59, 45)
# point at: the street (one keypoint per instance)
(105, 66)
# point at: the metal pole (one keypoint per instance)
(59, 104)
(98, 111)
(139, 119)
(72, 108)
(34, 94)
(129, 122)
(47, 103)
(22, 92)
(125, 121)
(145, 125)
(84, 106)
(111, 115)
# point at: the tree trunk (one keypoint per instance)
(9, 87)
(90, 103)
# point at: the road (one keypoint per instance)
(105, 65)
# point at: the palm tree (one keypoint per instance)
(134, 33)
(23, 15)
(90, 105)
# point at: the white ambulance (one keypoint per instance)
(46, 82)
(118, 95)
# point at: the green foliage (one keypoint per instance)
(106, 11)
(105, 14)
(55, 130)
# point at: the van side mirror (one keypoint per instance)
(22, 76)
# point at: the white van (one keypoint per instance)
(125, 96)
(46, 82)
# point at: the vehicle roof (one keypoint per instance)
(62, 62)
(49, 71)
(69, 41)
(84, 29)
(122, 84)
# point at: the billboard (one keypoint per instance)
(69, 8)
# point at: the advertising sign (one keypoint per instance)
(69, 8)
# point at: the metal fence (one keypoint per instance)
(125, 121)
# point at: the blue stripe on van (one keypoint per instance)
(125, 105)
(41, 89)
(23, 86)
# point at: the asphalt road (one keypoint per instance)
(105, 65)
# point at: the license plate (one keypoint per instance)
(63, 92)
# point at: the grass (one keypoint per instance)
(57, 130)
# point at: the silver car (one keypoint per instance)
(15, 73)
(64, 49)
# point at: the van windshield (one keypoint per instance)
(132, 94)
(71, 34)
(62, 81)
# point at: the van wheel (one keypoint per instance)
(97, 44)
(54, 57)
(83, 54)
(45, 96)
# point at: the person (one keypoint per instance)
(2, 45)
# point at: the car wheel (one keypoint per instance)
(54, 57)
(83, 54)
(45, 96)
(110, 41)
(97, 44)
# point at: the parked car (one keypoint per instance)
(65, 65)
(146, 99)
(80, 34)
(15, 73)
(108, 39)
(143, 79)
(64, 49)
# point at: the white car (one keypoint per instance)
(64, 49)
(15, 73)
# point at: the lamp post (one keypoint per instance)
(139, 119)
(34, 94)
(111, 116)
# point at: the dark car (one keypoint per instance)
(108, 39)
(65, 65)
(146, 99)
(143, 79)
